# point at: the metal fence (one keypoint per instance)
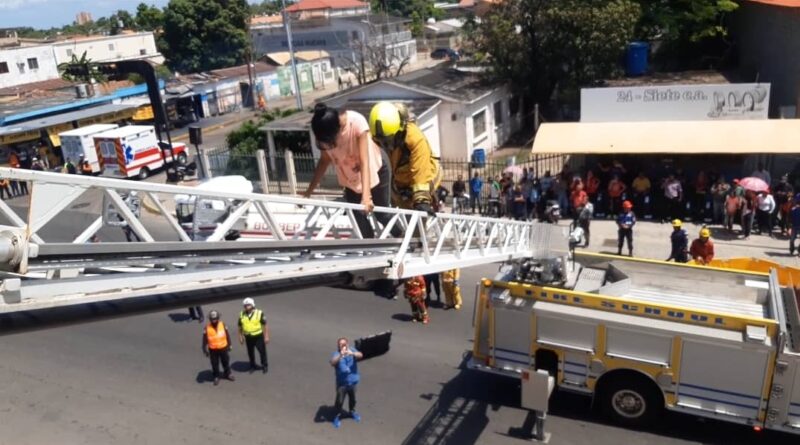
(228, 162)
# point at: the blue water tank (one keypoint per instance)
(479, 158)
(636, 58)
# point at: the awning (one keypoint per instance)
(776, 136)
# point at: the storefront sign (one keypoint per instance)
(675, 102)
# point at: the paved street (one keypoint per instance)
(142, 379)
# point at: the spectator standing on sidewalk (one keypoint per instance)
(345, 362)
(748, 213)
(783, 200)
(641, 193)
(459, 190)
(616, 188)
(766, 207)
(794, 215)
(475, 188)
(673, 194)
(719, 193)
(494, 198)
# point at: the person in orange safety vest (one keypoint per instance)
(216, 345)
(415, 292)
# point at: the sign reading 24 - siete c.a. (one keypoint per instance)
(675, 102)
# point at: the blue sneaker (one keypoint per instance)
(337, 422)
(356, 416)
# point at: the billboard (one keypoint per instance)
(675, 103)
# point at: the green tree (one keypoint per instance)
(266, 7)
(692, 33)
(419, 11)
(119, 21)
(201, 35)
(541, 45)
(149, 17)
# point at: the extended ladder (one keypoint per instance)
(38, 274)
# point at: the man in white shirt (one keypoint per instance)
(766, 208)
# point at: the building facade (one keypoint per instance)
(27, 64)
(767, 34)
(346, 39)
(140, 45)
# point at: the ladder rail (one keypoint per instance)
(326, 240)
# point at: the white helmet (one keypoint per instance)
(248, 301)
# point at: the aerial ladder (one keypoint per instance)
(68, 272)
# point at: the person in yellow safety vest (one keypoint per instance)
(415, 292)
(217, 345)
(254, 331)
(415, 172)
(452, 292)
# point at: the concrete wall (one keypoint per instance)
(768, 38)
(119, 47)
(22, 71)
(453, 130)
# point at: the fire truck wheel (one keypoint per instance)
(182, 159)
(630, 399)
(144, 173)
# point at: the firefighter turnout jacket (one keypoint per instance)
(415, 172)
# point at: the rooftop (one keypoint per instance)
(311, 5)
(241, 70)
(783, 3)
(283, 58)
(675, 78)
(446, 83)
(64, 118)
(302, 121)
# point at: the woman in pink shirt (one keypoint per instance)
(362, 168)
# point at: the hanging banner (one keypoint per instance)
(675, 103)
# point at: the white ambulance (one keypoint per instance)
(80, 142)
(133, 151)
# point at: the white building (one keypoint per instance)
(464, 113)
(456, 111)
(27, 64)
(140, 45)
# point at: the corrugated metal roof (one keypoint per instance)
(283, 58)
(63, 118)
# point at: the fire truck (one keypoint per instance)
(640, 336)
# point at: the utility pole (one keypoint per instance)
(287, 23)
(251, 66)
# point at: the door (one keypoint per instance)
(108, 155)
(722, 379)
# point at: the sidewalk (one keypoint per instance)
(651, 240)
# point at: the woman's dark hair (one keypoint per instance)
(325, 123)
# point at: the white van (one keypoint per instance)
(80, 142)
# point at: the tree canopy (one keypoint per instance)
(149, 17)
(201, 35)
(539, 45)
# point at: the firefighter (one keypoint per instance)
(452, 292)
(702, 249)
(679, 240)
(415, 292)
(415, 172)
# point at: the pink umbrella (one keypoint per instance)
(754, 184)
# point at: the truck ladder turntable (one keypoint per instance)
(38, 275)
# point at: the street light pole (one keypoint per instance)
(287, 23)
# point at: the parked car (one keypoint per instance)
(445, 53)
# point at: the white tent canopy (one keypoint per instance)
(685, 137)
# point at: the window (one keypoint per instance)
(21, 67)
(33, 63)
(355, 35)
(69, 53)
(513, 105)
(111, 47)
(478, 124)
(498, 113)
(142, 52)
(3, 67)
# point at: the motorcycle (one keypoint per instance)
(552, 212)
